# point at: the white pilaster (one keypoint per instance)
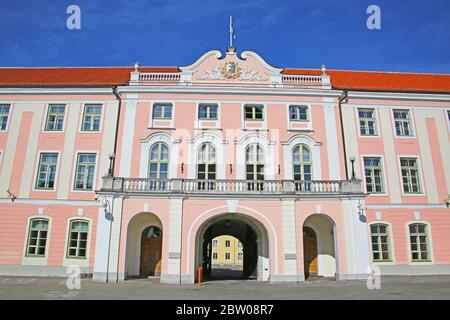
(128, 135)
(332, 142)
(289, 239)
(174, 254)
(102, 245)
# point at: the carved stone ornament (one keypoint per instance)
(231, 70)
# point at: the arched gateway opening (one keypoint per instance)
(319, 252)
(144, 246)
(250, 233)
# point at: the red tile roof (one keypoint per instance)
(84, 77)
(382, 81)
(111, 76)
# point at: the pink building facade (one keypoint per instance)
(129, 172)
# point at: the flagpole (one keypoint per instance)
(231, 32)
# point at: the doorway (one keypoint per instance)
(310, 252)
(151, 251)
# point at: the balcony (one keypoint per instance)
(238, 187)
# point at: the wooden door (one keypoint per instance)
(310, 251)
(151, 248)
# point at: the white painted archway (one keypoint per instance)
(324, 227)
(133, 246)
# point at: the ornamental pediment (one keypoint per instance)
(249, 67)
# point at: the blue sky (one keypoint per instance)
(414, 35)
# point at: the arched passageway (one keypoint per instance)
(250, 232)
(319, 252)
(144, 246)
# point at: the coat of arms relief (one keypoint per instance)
(231, 71)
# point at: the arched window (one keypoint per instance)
(302, 163)
(158, 165)
(254, 165)
(380, 242)
(78, 237)
(418, 236)
(206, 166)
(37, 238)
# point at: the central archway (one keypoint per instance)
(250, 232)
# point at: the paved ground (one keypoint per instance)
(407, 287)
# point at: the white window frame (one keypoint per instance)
(376, 120)
(164, 105)
(309, 122)
(82, 262)
(173, 153)
(447, 115)
(171, 121)
(217, 122)
(430, 261)
(102, 114)
(392, 261)
(208, 112)
(383, 172)
(314, 148)
(74, 174)
(46, 115)
(36, 174)
(411, 120)
(385, 180)
(299, 106)
(37, 261)
(245, 121)
(269, 155)
(389, 242)
(419, 168)
(9, 116)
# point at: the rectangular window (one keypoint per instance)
(4, 115)
(162, 111)
(418, 237)
(239, 244)
(55, 117)
(373, 171)
(91, 117)
(240, 255)
(37, 238)
(227, 243)
(84, 178)
(298, 113)
(403, 125)
(227, 256)
(410, 175)
(380, 242)
(215, 256)
(367, 122)
(46, 171)
(78, 236)
(254, 112)
(215, 243)
(207, 111)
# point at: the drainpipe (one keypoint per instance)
(114, 163)
(114, 90)
(343, 97)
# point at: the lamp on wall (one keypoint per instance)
(108, 214)
(111, 155)
(231, 168)
(182, 167)
(447, 202)
(352, 159)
